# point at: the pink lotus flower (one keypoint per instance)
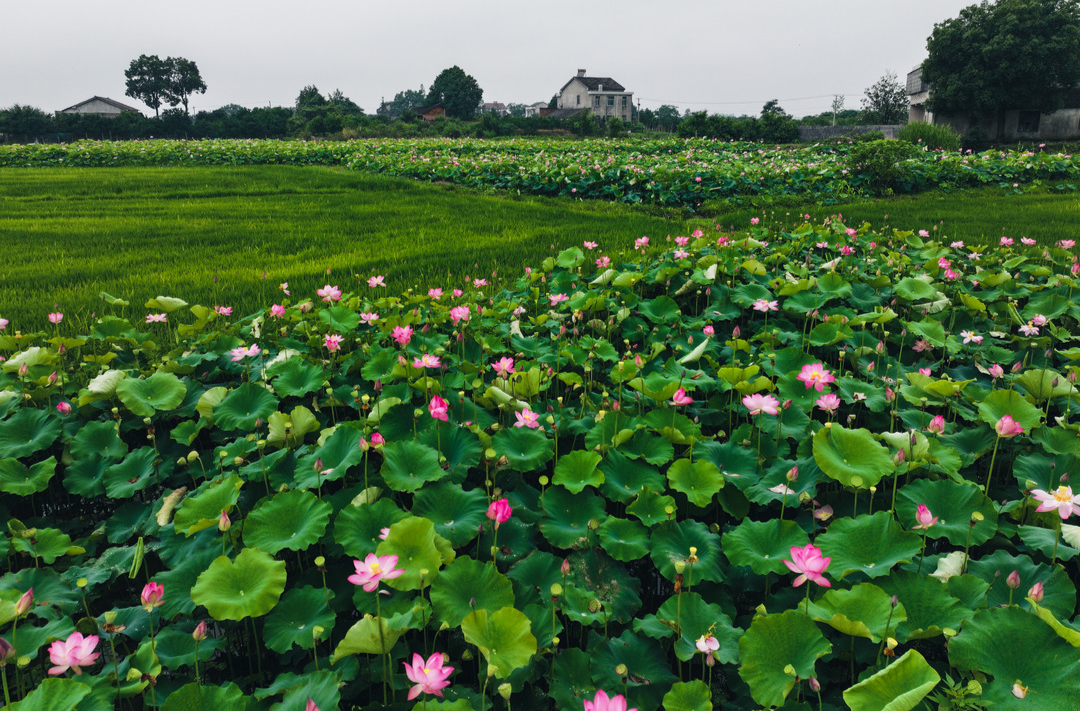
(697, 233)
(63, 407)
(829, 403)
(329, 293)
(590, 245)
(603, 262)
(1006, 241)
(971, 337)
(1036, 592)
(925, 371)
(680, 398)
(1008, 427)
(376, 281)
(815, 376)
(1027, 240)
(373, 569)
(311, 706)
(996, 371)
(456, 293)
(333, 342)
(763, 305)
(56, 317)
(528, 418)
(601, 702)
(754, 220)
(223, 310)
(284, 286)
(199, 633)
(479, 283)
(156, 318)
(4, 324)
(959, 244)
(924, 517)
(708, 330)
(429, 677)
(24, 603)
(1013, 579)
(277, 310)
(809, 564)
(377, 440)
(1039, 320)
(383, 533)
(369, 317)
(759, 404)
(682, 241)
(1063, 501)
(641, 243)
(937, 425)
(707, 644)
(460, 313)
(427, 361)
(153, 595)
(504, 366)
(74, 652)
(680, 254)
(240, 352)
(499, 511)
(402, 334)
(437, 407)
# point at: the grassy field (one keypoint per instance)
(209, 234)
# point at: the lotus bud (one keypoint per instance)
(1036, 592)
(1064, 479)
(894, 601)
(192, 456)
(7, 652)
(899, 458)
(786, 405)
(199, 634)
(238, 461)
(710, 660)
(224, 522)
(793, 473)
(1013, 580)
(25, 602)
(565, 567)
(736, 332)
(815, 685)
(23, 370)
(890, 395)
(1017, 367)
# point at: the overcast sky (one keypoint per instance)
(725, 56)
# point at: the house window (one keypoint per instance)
(611, 101)
(624, 103)
(1027, 122)
(596, 101)
(579, 99)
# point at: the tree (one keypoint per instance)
(25, 122)
(148, 80)
(1013, 54)
(886, 101)
(773, 108)
(837, 106)
(458, 93)
(403, 103)
(184, 80)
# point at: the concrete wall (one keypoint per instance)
(1060, 125)
(577, 96)
(824, 133)
(98, 107)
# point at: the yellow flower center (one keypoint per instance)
(1063, 494)
(375, 568)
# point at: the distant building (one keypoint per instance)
(535, 109)
(494, 107)
(430, 113)
(604, 96)
(99, 106)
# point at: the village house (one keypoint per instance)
(535, 109)
(99, 106)
(604, 96)
(494, 107)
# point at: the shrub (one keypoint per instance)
(880, 160)
(976, 140)
(930, 135)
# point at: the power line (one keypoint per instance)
(758, 101)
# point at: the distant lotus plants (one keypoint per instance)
(821, 468)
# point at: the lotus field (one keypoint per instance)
(673, 172)
(825, 468)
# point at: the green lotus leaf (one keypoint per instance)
(340, 319)
(457, 514)
(852, 457)
(249, 586)
(654, 450)
(915, 289)
(208, 401)
(533, 577)
(524, 448)
(336, 456)
(1009, 402)
(195, 697)
(1060, 593)
(98, 438)
(290, 430)
(295, 377)
(624, 539)
(357, 528)
(366, 637)
(690, 617)
(504, 638)
(47, 544)
(168, 304)
(175, 648)
(573, 678)
(48, 586)
(652, 508)
(871, 544)
(672, 541)
(1047, 542)
(409, 465)
(243, 406)
(600, 577)
(700, 480)
(772, 645)
(1069, 634)
(18, 480)
(763, 545)
(460, 447)
(1039, 383)
(577, 470)
(566, 516)
(413, 541)
(293, 520)
(467, 585)
(161, 391)
(863, 611)
(139, 470)
(202, 508)
(293, 620)
(929, 605)
(86, 475)
(57, 695)
(648, 674)
(1015, 647)
(27, 431)
(953, 503)
(688, 696)
(898, 687)
(321, 687)
(624, 477)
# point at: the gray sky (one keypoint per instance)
(725, 56)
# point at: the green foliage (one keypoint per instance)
(457, 91)
(886, 101)
(881, 161)
(931, 136)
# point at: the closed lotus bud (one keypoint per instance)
(318, 466)
(565, 567)
(899, 458)
(192, 456)
(815, 685)
(1054, 382)
(1017, 367)
(1013, 580)
(1036, 592)
(735, 333)
(1064, 478)
(224, 522)
(238, 461)
(23, 370)
(793, 473)
(199, 634)
(7, 652)
(25, 602)
(786, 405)
(894, 601)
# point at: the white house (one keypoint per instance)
(99, 106)
(604, 96)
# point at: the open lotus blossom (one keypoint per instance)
(153, 595)
(56, 317)
(682, 241)
(815, 376)
(527, 418)
(504, 366)
(925, 371)
(707, 644)
(1006, 241)
(375, 281)
(223, 310)
(277, 310)
(369, 317)
(590, 245)
(460, 313)
(808, 562)
(284, 286)
(782, 489)
(373, 569)
(333, 342)
(1061, 500)
(402, 334)
(557, 298)
(680, 398)
(456, 293)
(829, 403)
(240, 352)
(435, 293)
(329, 293)
(72, 653)
(429, 676)
(680, 254)
(603, 262)
(438, 407)
(971, 337)
(924, 517)
(427, 361)
(1008, 427)
(156, 318)
(759, 404)
(1027, 240)
(499, 511)
(601, 702)
(4, 324)
(1029, 330)
(763, 305)
(937, 425)
(1040, 320)
(641, 243)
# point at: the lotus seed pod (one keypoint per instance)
(556, 590)
(238, 461)
(110, 617)
(192, 456)
(146, 421)
(261, 444)
(317, 632)
(504, 691)
(621, 670)
(544, 480)
(680, 566)
(594, 606)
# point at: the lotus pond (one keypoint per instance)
(825, 468)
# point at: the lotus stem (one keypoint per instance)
(990, 474)
(922, 555)
(255, 644)
(382, 643)
(7, 694)
(196, 662)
